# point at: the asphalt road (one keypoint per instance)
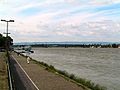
(21, 81)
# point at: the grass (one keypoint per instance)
(80, 81)
(3, 73)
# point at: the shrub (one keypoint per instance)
(51, 67)
(72, 76)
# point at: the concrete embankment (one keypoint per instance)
(44, 79)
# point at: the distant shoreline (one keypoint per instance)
(63, 43)
(72, 45)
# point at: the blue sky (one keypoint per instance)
(62, 20)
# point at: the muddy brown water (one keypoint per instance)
(101, 65)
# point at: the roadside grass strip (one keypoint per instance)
(3, 73)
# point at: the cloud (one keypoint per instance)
(62, 20)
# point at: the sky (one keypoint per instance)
(61, 20)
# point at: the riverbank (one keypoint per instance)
(44, 78)
(84, 83)
(71, 77)
(3, 73)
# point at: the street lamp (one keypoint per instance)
(7, 32)
(7, 25)
(7, 47)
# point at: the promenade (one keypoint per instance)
(21, 80)
(39, 78)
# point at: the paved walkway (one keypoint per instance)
(43, 79)
(21, 80)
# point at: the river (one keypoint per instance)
(101, 65)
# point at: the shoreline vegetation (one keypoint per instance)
(78, 45)
(87, 84)
(72, 45)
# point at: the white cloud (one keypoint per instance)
(60, 19)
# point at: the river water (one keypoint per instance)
(101, 65)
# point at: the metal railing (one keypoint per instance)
(10, 81)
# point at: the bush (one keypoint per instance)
(51, 67)
(72, 76)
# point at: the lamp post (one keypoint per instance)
(7, 61)
(7, 47)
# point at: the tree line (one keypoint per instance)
(78, 45)
(3, 41)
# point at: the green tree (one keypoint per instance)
(3, 41)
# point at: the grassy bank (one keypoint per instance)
(72, 77)
(79, 81)
(3, 73)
